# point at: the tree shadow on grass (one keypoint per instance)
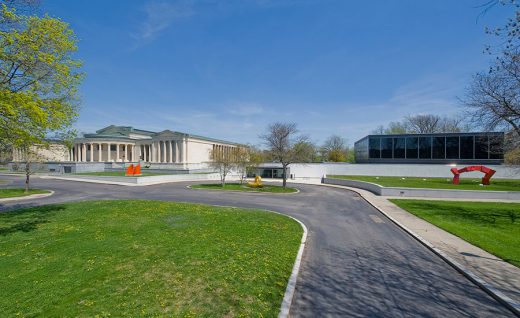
(26, 220)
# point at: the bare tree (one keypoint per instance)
(242, 158)
(281, 139)
(493, 98)
(423, 124)
(222, 161)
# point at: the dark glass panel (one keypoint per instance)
(386, 148)
(439, 147)
(481, 147)
(425, 147)
(496, 147)
(452, 147)
(399, 147)
(466, 147)
(412, 148)
(374, 147)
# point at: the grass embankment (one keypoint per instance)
(19, 192)
(244, 187)
(492, 226)
(144, 259)
(438, 183)
(119, 174)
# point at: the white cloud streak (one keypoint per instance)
(159, 16)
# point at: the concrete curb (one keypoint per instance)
(291, 284)
(28, 197)
(490, 290)
(253, 192)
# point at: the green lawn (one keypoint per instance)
(438, 183)
(144, 259)
(119, 174)
(19, 192)
(492, 226)
(244, 187)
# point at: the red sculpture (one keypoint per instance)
(130, 170)
(485, 181)
(137, 170)
(133, 170)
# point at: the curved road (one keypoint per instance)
(356, 263)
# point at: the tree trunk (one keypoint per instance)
(284, 175)
(27, 176)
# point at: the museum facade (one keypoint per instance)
(444, 148)
(124, 144)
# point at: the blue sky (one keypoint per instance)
(226, 69)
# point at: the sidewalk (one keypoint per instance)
(498, 276)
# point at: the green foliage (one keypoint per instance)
(246, 188)
(39, 78)
(19, 192)
(144, 259)
(492, 226)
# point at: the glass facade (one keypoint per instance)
(412, 147)
(399, 147)
(466, 147)
(452, 147)
(441, 148)
(425, 147)
(374, 147)
(387, 145)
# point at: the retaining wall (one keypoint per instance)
(424, 192)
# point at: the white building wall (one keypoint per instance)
(317, 170)
(199, 151)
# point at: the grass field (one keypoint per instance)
(19, 192)
(492, 226)
(438, 183)
(244, 187)
(144, 259)
(118, 174)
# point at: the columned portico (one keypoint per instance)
(126, 144)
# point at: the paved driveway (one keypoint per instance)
(356, 263)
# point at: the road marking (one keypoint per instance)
(376, 218)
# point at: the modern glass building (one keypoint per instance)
(464, 148)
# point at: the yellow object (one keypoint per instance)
(257, 183)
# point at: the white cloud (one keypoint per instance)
(159, 16)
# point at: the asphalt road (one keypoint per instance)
(356, 263)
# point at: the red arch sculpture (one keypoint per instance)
(485, 181)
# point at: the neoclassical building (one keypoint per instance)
(121, 144)
(128, 144)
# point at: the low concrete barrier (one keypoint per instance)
(425, 192)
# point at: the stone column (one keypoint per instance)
(109, 155)
(91, 152)
(117, 153)
(159, 151)
(170, 148)
(153, 152)
(177, 159)
(100, 147)
(83, 152)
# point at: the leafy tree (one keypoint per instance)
(39, 78)
(281, 139)
(335, 149)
